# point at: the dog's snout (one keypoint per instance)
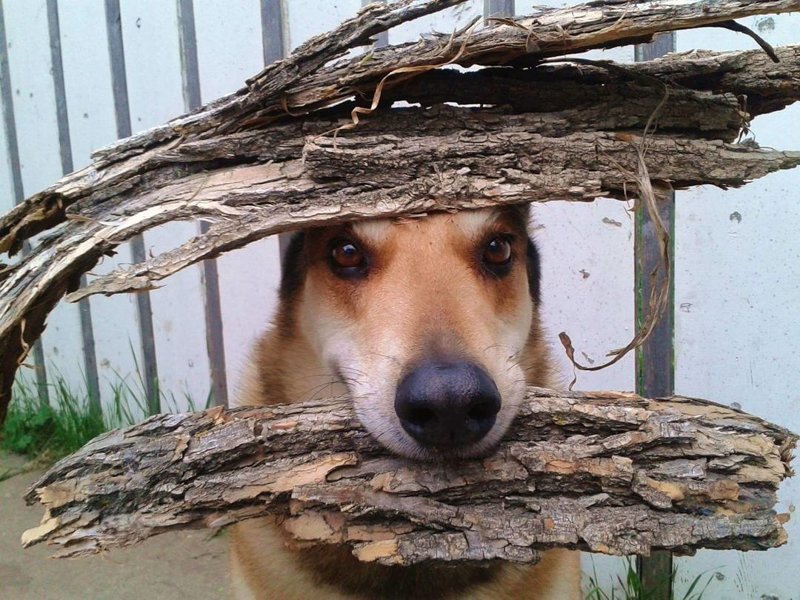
(447, 404)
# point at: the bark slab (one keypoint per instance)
(605, 471)
(263, 160)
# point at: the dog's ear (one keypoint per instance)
(534, 271)
(293, 267)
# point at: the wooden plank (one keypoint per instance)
(647, 479)
(231, 47)
(655, 362)
(37, 131)
(737, 335)
(67, 166)
(150, 33)
(91, 117)
(147, 371)
(12, 192)
(212, 308)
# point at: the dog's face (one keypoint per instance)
(425, 320)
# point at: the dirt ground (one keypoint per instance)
(181, 565)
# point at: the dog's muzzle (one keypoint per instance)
(447, 405)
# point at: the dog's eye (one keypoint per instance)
(497, 252)
(347, 259)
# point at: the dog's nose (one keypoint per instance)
(447, 405)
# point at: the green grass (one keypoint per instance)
(46, 432)
(630, 586)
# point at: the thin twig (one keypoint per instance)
(739, 28)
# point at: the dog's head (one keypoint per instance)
(430, 322)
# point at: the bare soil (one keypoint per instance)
(173, 565)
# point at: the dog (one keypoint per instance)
(431, 325)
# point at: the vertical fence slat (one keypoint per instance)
(498, 8)
(148, 369)
(215, 342)
(273, 30)
(230, 49)
(274, 47)
(34, 96)
(155, 95)
(67, 166)
(13, 193)
(91, 118)
(655, 358)
(382, 39)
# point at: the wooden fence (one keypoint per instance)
(77, 74)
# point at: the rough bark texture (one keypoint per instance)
(604, 471)
(263, 160)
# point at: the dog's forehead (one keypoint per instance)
(467, 223)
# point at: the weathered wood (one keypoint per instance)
(476, 160)
(555, 87)
(604, 471)
(252, 166)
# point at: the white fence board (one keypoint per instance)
(90, 108)
(307, 18)
(737, 293)
(153, 68)
(40, 161)
(6, 181)
(737, 287)
(445, 21)
(87, 78)
(588, 286)
(229, 50)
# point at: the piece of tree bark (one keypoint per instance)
(252, 166)
(553, 87)
(254, 184)
(603, 471)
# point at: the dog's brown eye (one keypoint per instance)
(497, 252)
(347, 255)
(347, 260)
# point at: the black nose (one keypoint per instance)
(447, 404)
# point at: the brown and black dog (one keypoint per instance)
(431, 326)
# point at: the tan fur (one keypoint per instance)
(334, 337)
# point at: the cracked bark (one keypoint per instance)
(563, 132)
(607, 472)
(603, 471)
